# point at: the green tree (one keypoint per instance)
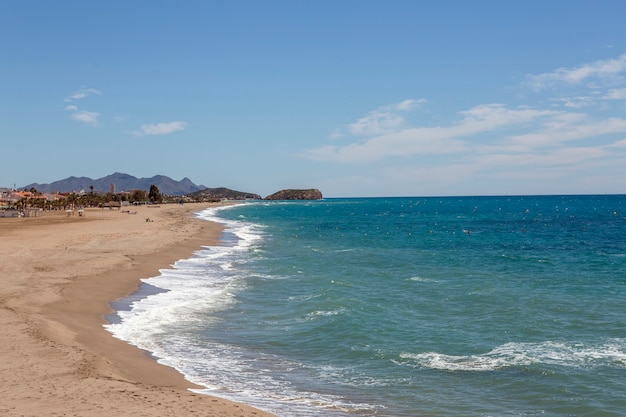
(72, 200)
(154, 195)
(139, 195)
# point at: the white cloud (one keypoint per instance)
(407, 105)
(578, 102)
(559, 156)
(160, 128)
(602, 70)
(407, 142)
(82, 93)
(88, 117)
(562, 130)
(376, 123)
(616, 94)
(621, 144)
(487, 117)
(386, 119)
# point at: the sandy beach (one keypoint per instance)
(58, 275)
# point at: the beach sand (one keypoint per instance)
(58, 274)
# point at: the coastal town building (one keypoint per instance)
(30, 203)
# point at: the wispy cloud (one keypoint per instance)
(621, 144)
(410, 104)
(557, 133)
(608, 70)
(590, 98)
(383, 120)
(615, 94)
(82, 93)
(376, 123)
(397, 141)
(160, 128)
(88, 117)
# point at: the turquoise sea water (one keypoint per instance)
(456, 306)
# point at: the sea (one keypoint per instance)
(423, 306)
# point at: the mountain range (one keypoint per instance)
(120, 182)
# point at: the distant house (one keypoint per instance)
(4, 196)
(13, 196)
(10, 196)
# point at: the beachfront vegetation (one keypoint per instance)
(28, 199)
(154, 195)
(64, 201)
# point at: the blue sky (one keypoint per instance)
(354, 97)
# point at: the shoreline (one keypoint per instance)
(60, 275)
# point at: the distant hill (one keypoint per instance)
(309, 194)
(223, 193)
(122, 182)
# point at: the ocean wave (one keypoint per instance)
(238, 376)
(422, 279)
(203, 283)
(326, 313)
(611, 354)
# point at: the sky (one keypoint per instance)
(357, 98)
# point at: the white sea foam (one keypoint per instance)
(166, 324)
(193, 287)
(422, 279)
(305, 297)
(327, 313)
(611, 353)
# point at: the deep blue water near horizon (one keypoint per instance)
(451, 306)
